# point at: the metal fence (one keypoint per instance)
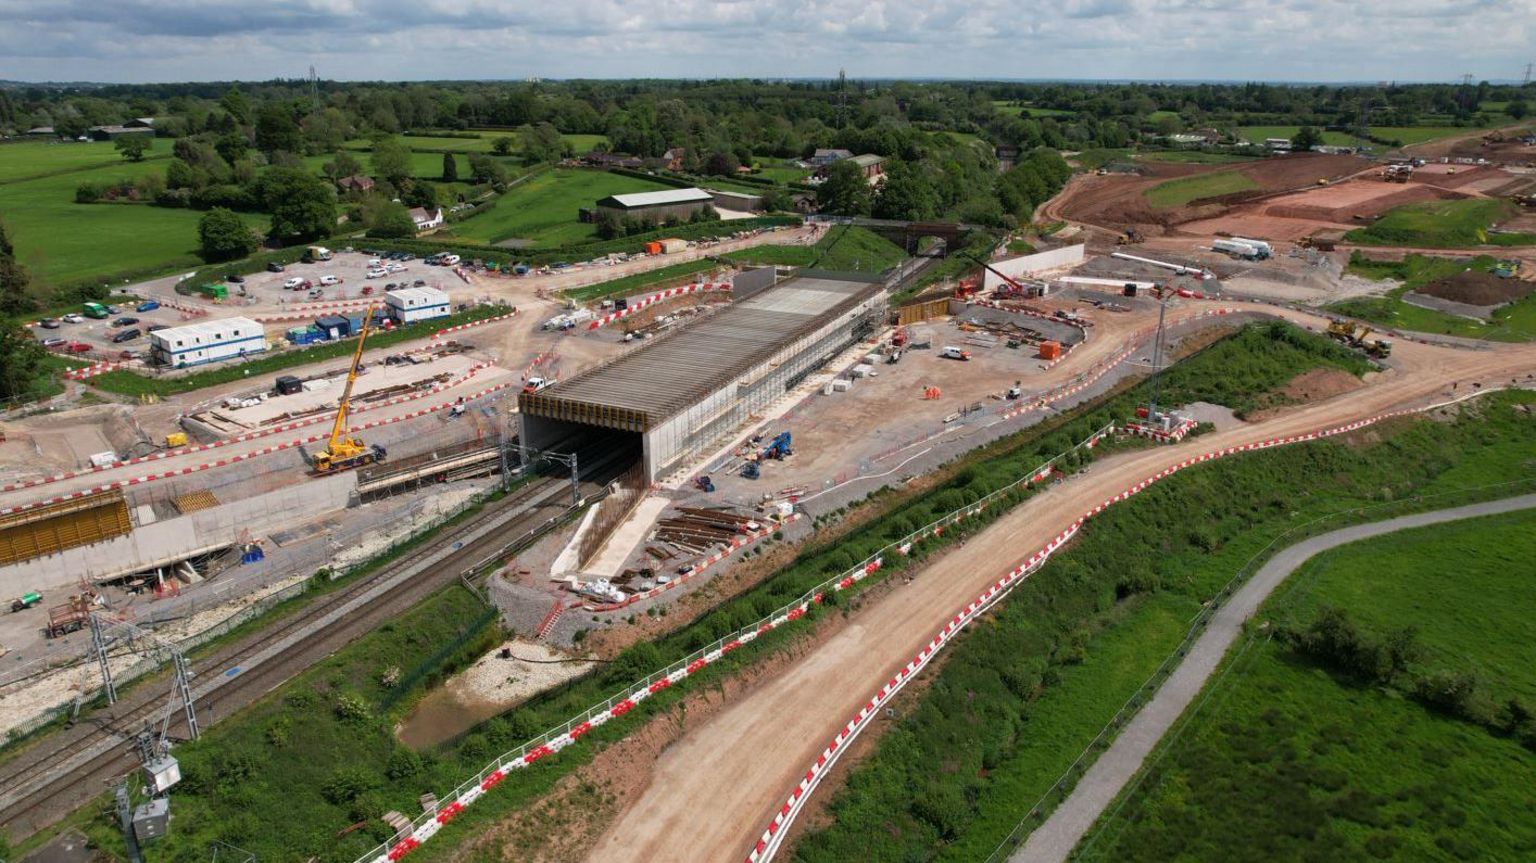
(428, 823)
(1064, 785)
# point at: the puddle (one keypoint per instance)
(492, 685)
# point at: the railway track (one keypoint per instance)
(52, 777)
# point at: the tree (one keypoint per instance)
(14, 299)
(484, 169)
(222, 236)
(418, 194)
(21, 360)
(502, 146)
(1306, 138)
(391, 160)
(845, 193)
(388, 220)
(276, 131)
(133, 147)
(541, 143)
(450, 168)
(344, 164)
(234, 102)
(302, 205)
(906, 194)
(1517, 108)
(721, 164)
(231, 147)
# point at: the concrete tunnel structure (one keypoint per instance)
(686, 392)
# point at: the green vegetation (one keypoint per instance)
(1177, 193)
(134, 384)
(629, 285)
(482, 142)
(1345, 765)
(543, 209)
(1442, 225)
(1024, 692)
(1257, 134)
(61, 241)
(1003, 107)
(1513, 322)
(1096, 158)
(27, 160)
(843, 248)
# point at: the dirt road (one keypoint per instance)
(711, 794)
(1055, 839)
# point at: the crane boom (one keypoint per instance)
(345, 451)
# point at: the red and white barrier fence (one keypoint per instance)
(94, 369)
(652, 299)
(778, 826)
(480, 323)
(246, 437)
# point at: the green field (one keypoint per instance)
(1003, 107)
(848, 249)
(544, 208)
(1177, 193)
(1096, 158)
(59, 240)
(26, 159)
(1513, 322)
(1442, 225)
(1287, 761)
(1257, 134)
(1407, 134)
(629, 285)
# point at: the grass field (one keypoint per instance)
(1014, 110)
(1257, 134)
(25, 159)
(1513, 322)
(1094, 159)
(629, 285)
(848, 249)
(543, 209)
(1442, 225)
(1177, 193)
(1286, 761)
(1407, 134)
(61, 241)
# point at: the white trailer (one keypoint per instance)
(1236, 249)
(409, 305)
(206, 342)
(1265, 249)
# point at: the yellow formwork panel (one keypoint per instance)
(50, 529)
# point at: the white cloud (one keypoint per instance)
(146, 40)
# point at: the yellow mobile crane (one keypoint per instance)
(345, 451)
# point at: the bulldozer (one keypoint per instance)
(344, 451)
(1131, 237)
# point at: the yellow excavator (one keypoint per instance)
(1359, 338)
(344, 451)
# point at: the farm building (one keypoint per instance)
(686, 392)
(356, 183)
(427, 221)
(206, 342)
(112, 133)
(409, 305)
(824, 156)
(656, 206)
(744, 202)
(872, 166)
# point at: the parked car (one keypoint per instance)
(113, 310)
(433, 260)
(125, 322)
(126, 336)
(54, 344)
(330, 280)
(419, 283)
(73, 318)
(148, 306)
(77, 347)
(376, 272)
(274, 267)
(316, 294)
(129, 355)
(394, 268)
(450, 260)
(367, 290)
(292, 282)
(155, 328)
(235, 279)
(49, 323)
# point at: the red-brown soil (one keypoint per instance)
(1478, 288)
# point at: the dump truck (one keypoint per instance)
(72, 616)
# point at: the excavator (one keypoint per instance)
(1358, 337)
(344, 451)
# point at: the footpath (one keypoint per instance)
(1054, 840)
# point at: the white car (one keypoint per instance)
(329, 280)
(72, 318)
(291, 283)
(376, 272)
(375, 262)
(394, 268)
(450, 260)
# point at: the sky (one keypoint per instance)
(1278, 40)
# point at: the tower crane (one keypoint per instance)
(344, 451)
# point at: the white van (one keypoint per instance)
(950, 352)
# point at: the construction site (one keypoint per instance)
(586, 468)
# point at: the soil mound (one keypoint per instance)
(1478, 288)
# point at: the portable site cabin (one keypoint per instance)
(206, 342)
(409, 305)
